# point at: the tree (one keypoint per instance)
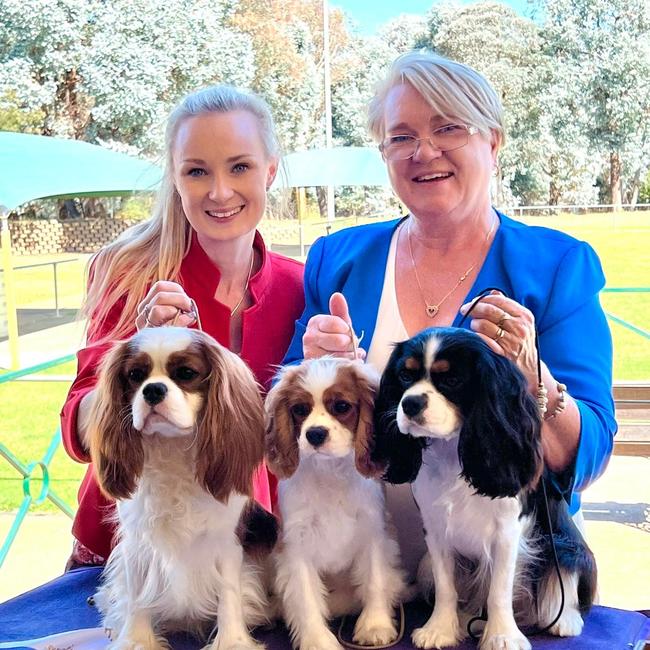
(602, 48)
(42, 47)
(286, 37)
(506, 49)
(147, 54)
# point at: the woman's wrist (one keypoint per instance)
(560, 402)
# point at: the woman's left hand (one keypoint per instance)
(508, 328)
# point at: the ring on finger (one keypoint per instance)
(499, 334)
(146, 311)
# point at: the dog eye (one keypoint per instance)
(184, 373)
(405, 376)
(341, 407)
(301, 410)
(137, 375)
(449, 381)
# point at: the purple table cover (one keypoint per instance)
(61, 605)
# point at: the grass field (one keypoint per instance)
(29, 410)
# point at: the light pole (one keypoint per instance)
(328, 102)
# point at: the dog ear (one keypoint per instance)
(281, 441)
(115, 445)
(231, 425)
(399, 454)
(366, 389)
(499, 447)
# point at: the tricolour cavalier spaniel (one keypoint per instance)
(335, 553)
(176, 433)
(457, 421)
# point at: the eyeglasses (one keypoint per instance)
(446, 138)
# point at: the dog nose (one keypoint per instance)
(316, 436)
(154, 393)
(414, 404)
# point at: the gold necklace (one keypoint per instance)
(248, 279)
(430, 308)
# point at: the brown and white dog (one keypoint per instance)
(176, 433)
(335, 553)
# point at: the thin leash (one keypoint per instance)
(354, 347)
(483, 616)
(194, 312)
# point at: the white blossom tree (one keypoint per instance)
(43, 44)
(506, 48)
(601, 53)
(147, 54)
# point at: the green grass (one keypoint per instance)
(29, 411)
(34, 287)
(29, 418)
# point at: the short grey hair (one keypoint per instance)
(454, 90)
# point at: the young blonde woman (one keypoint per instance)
(200, 252)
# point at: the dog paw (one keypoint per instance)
(510, 641)
(324, 640)
(143, 638)
(570, 623)
(374, 629)
(437, 634)
(240, 642)
(147, 643)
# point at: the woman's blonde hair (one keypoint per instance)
(154, 250)
(454, 91)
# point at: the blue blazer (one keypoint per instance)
(555, 276)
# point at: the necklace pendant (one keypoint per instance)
(432, 310)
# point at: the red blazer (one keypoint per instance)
(268, 324)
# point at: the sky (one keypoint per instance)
(371, 14)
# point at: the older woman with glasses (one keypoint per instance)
(439, 127)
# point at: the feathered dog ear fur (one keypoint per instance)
(115, 446)
(366, 382)
(499, 447)
(399, 454)
(281, 439)
(231, 425)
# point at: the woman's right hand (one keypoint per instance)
(330, 334)
(165, 304)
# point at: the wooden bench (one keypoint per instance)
(632, 402)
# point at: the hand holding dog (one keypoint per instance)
(509, 330)
(166, 303)
(329, 334)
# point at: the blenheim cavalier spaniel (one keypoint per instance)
(335, 553)
(457, 421)
(176, 433)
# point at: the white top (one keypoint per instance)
(389, 328)
(399, 498)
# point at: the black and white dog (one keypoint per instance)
(456, 420)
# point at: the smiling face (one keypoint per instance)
(433, 183)
(221, 171)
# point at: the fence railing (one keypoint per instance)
(54, 264)
(29, 470)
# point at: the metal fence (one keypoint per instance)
(29, 470)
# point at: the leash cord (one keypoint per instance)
(483, 615)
